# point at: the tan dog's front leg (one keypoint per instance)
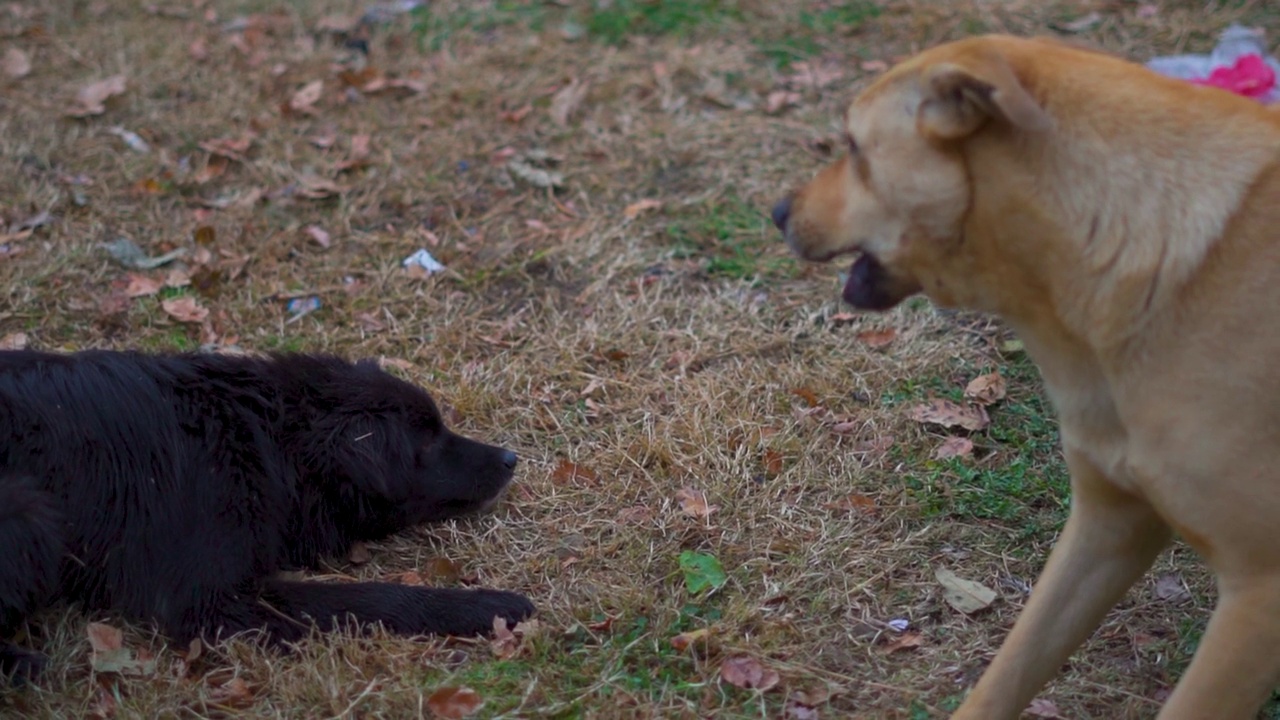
(1238, 662)
(1109, 540)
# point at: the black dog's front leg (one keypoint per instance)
(401, 609)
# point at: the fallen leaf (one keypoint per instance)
(874, 66)
(442, 570)
(568, 472)
(800, 707)
(213, 168)
(91, 99)
(953, 447)
(359, 154)
(504, 642)
(986, 389)
(746, 672)
(15, 63)
(515, 116)
(807, 395)
(1080, 24)
(142, 285)
(185, 309)
(878, 338)
(13, 341)
(701, 571)
(1171, 588)
(780, 100)
(198, 50)
(634, 209)
(772, 462)
(964, 595)
(233, 148)
(176, 278)
(110, 655)
(104, 705)
(453, 703)
(694, 503)
(314, 187)
(1042, 708)
(304, 100)
(566, 101)
(1146, 11)
(812, 75)
(853, 501)
(949, 414)
(234, 693)
(906, 641)
(318, 234)
(685, 640)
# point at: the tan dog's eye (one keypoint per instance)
(853, 144)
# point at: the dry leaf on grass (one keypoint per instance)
(233, 148)
(685, 640)
(234, 693)
(1042, 708)
(507, 642)
(92, 98)
(185, 309)
(359, 155)
(780, 100)
(566, 101)
(986, 389)
(304, 100)
(142, 285)
(949, 414)
(15, 63)
(634, 209)
(694, 503)
(1171, 588)
(568, 472)
(359, 554)
(314, 187)
(853, 501)
(906, 641)
(110, 655)
(318, 234)
(953, 447)
(878, 338)
(13, 341)
(746, 672)
(964, 595)
(454, 703)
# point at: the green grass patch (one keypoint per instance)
(615, 21)
(733, 240)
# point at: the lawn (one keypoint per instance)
(731, 502)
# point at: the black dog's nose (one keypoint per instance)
(781, 212)
(509, 459)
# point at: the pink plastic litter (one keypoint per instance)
(1249, 76)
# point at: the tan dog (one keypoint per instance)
(1127, 226)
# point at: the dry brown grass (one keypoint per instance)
(659, 352)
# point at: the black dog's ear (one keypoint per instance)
(368, 364)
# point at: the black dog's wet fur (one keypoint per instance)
(173, 489)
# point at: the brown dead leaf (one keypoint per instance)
(111, 656)
(953, 447)
(631, 211)
(15, 63)
(91, 99)
(694, 503)
(454, 703)
(198, 50)
(407, 85)
(142, 285)
(799, 707)
(104, 638)
(874, 66)
(304, 100)
(906, 641)
(442, 570)
(746, 672)
(807, 395)
(185, 309)
(986, 389)
(359, 155)
(314, 187)
(176, 278)
(854, 501)
(964, 595)
(566, 101)
(813, 75)
(13, 341)
(503, 643)
(772, 462)
(878, 338)
(104, 705)
(685, 640)
(318, 234)
(234, 693)
(213, 168)
(1171, 588)
(1042, 708)
(943, 412)
(568, 472)
(780, 100)
(233, 148)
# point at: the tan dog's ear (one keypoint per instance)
(959, 99)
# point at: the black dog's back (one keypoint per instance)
(173, 488)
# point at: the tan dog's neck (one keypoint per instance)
(1102, 182)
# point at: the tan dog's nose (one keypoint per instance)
(781, 212)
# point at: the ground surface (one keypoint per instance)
(674, 381)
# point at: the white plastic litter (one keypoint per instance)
(423, 259)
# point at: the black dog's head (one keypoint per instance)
(379, 447)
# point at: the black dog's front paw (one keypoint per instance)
(20, 666)
(512, 607)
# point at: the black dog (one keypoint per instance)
(174, 488)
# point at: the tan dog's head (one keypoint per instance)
(899, 197)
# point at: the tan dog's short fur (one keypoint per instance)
(1127, 226)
